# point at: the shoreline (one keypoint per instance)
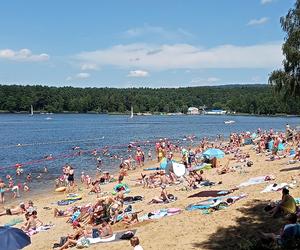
(4, 112)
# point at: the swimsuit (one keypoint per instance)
(71, 177)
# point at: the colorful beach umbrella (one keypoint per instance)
(12, 238)
(214, 152)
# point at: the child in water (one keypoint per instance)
(82, 178)
(26, 187)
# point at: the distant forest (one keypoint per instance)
(250, 99)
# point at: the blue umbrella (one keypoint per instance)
(12, 238)
(214, 152)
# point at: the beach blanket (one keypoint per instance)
(13, 222)
(276, 187)
(71, 198)
(65, 202)
(155, 215)
(153, 169)
(116, 237)
(256, 180)
(217, 202)
(202, 166)
(210, 193)
(121, 187)
(132, 199)
(43, 228)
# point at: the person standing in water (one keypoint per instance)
(71, 180)
(2, 191)
(139, 156)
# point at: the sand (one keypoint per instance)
(188, 230)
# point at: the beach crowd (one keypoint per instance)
(173, 164)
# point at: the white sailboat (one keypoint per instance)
(31, 110)
(131, 113)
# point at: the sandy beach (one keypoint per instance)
(232, 226)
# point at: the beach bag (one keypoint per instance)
(83, 242)
(95, 233)
(127, 236)
(128, 209)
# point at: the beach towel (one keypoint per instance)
(121, 187)
(216, 202)
(158, 214)
(202, 166)
(44, 228)
(13, 222)
(65, 202)
(256, 180)
(275, 187)
(210, 193)
(116, 237)
(153, 169)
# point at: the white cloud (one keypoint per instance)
(88, 66)
(82, 75)
(205, 81)
(258, 21)
(266, 1)
(138, 73)
(23, 55)
(157, 30)
(185, 56)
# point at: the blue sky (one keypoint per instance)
(133, 43)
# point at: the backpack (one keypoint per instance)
(127, 235)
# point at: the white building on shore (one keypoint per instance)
(193, 111)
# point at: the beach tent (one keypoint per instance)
(12, 238)
(214, 152)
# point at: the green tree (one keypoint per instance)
(287, 80)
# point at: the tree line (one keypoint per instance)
(251, 99)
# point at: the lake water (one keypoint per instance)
(39, 136)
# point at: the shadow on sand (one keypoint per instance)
(290, 169)
(246, 233)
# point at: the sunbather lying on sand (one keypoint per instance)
(163, 198)
(103, 231)
(131, 220)
(14, 211)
